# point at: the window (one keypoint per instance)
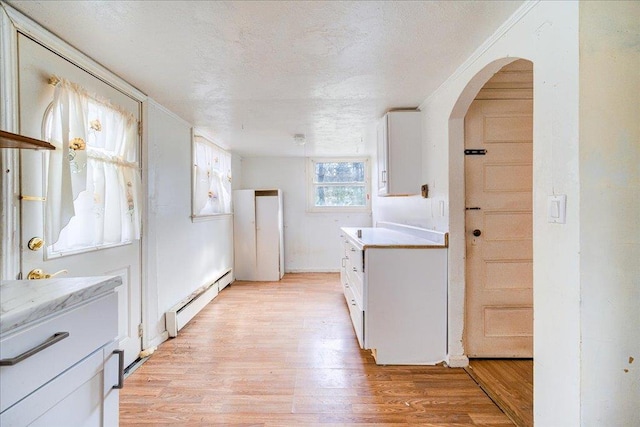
(93, 184)
(211, 179)
(338, 185)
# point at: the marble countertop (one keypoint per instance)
(25, 301)
(379, 237)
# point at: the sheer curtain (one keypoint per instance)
(93, 188)
(212, 178)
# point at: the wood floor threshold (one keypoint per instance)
(518, 407)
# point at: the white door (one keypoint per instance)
(267, 237)
(244, 234)
(499, 268)
(36, 65)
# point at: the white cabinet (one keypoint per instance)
(70, 381)
(399, 153)
(258, 235)
(396, 291)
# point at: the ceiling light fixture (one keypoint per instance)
(299, 139)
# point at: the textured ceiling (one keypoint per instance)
(253, 74)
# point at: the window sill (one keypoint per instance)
(212, 217)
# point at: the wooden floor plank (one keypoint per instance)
(509, 383)
(285, 354)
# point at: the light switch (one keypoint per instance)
(557, 209)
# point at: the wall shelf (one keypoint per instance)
(13, 140)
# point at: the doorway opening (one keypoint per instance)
(498, 224)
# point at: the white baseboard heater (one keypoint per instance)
(180, 314)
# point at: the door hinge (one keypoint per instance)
(139, 128)
(472, 209)
(140, 330)
(475, 152)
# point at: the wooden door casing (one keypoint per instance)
(498, 197)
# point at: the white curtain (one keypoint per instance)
(93, 189)
(212, 179)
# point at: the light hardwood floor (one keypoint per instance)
(509, 382)
(285, 354)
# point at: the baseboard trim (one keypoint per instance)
(312, 270)
(460, 361)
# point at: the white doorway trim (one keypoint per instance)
(457, 243)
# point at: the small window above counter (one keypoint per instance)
(13, 140)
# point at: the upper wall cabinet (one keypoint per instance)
(399, 154)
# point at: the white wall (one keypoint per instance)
(586, 145)
(610, 212)
(547, 34)
(311, 240)
(180, 255)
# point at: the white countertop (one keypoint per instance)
(379, 237)
(25, 301)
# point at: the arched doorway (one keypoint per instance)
(496, 128)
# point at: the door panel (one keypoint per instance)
(244, 234)
(36, 65)
(267, 238)
(499, 268)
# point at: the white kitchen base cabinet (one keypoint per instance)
(73, 381)
(396, 289)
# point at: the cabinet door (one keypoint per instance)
(267, 238)
(399, 154)
(244, 234)
(111, 395)
(383, 157)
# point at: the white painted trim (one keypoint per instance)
(179, 315)
(312, 270)
(32, 29)
(146, 253)
(158, 340)
(457, 361)
(9, 72)
(206, 135)
(212, 217)
(9, 191)
(484, 47)
(168, 112)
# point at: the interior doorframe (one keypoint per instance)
(457, 239)
(9, 158)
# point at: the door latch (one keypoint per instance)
(38, 273)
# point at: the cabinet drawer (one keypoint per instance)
(355, 281)
(90, 326)
(355, 257)
(356, 314)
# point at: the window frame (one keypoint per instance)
(311, 184)
(198, 137)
